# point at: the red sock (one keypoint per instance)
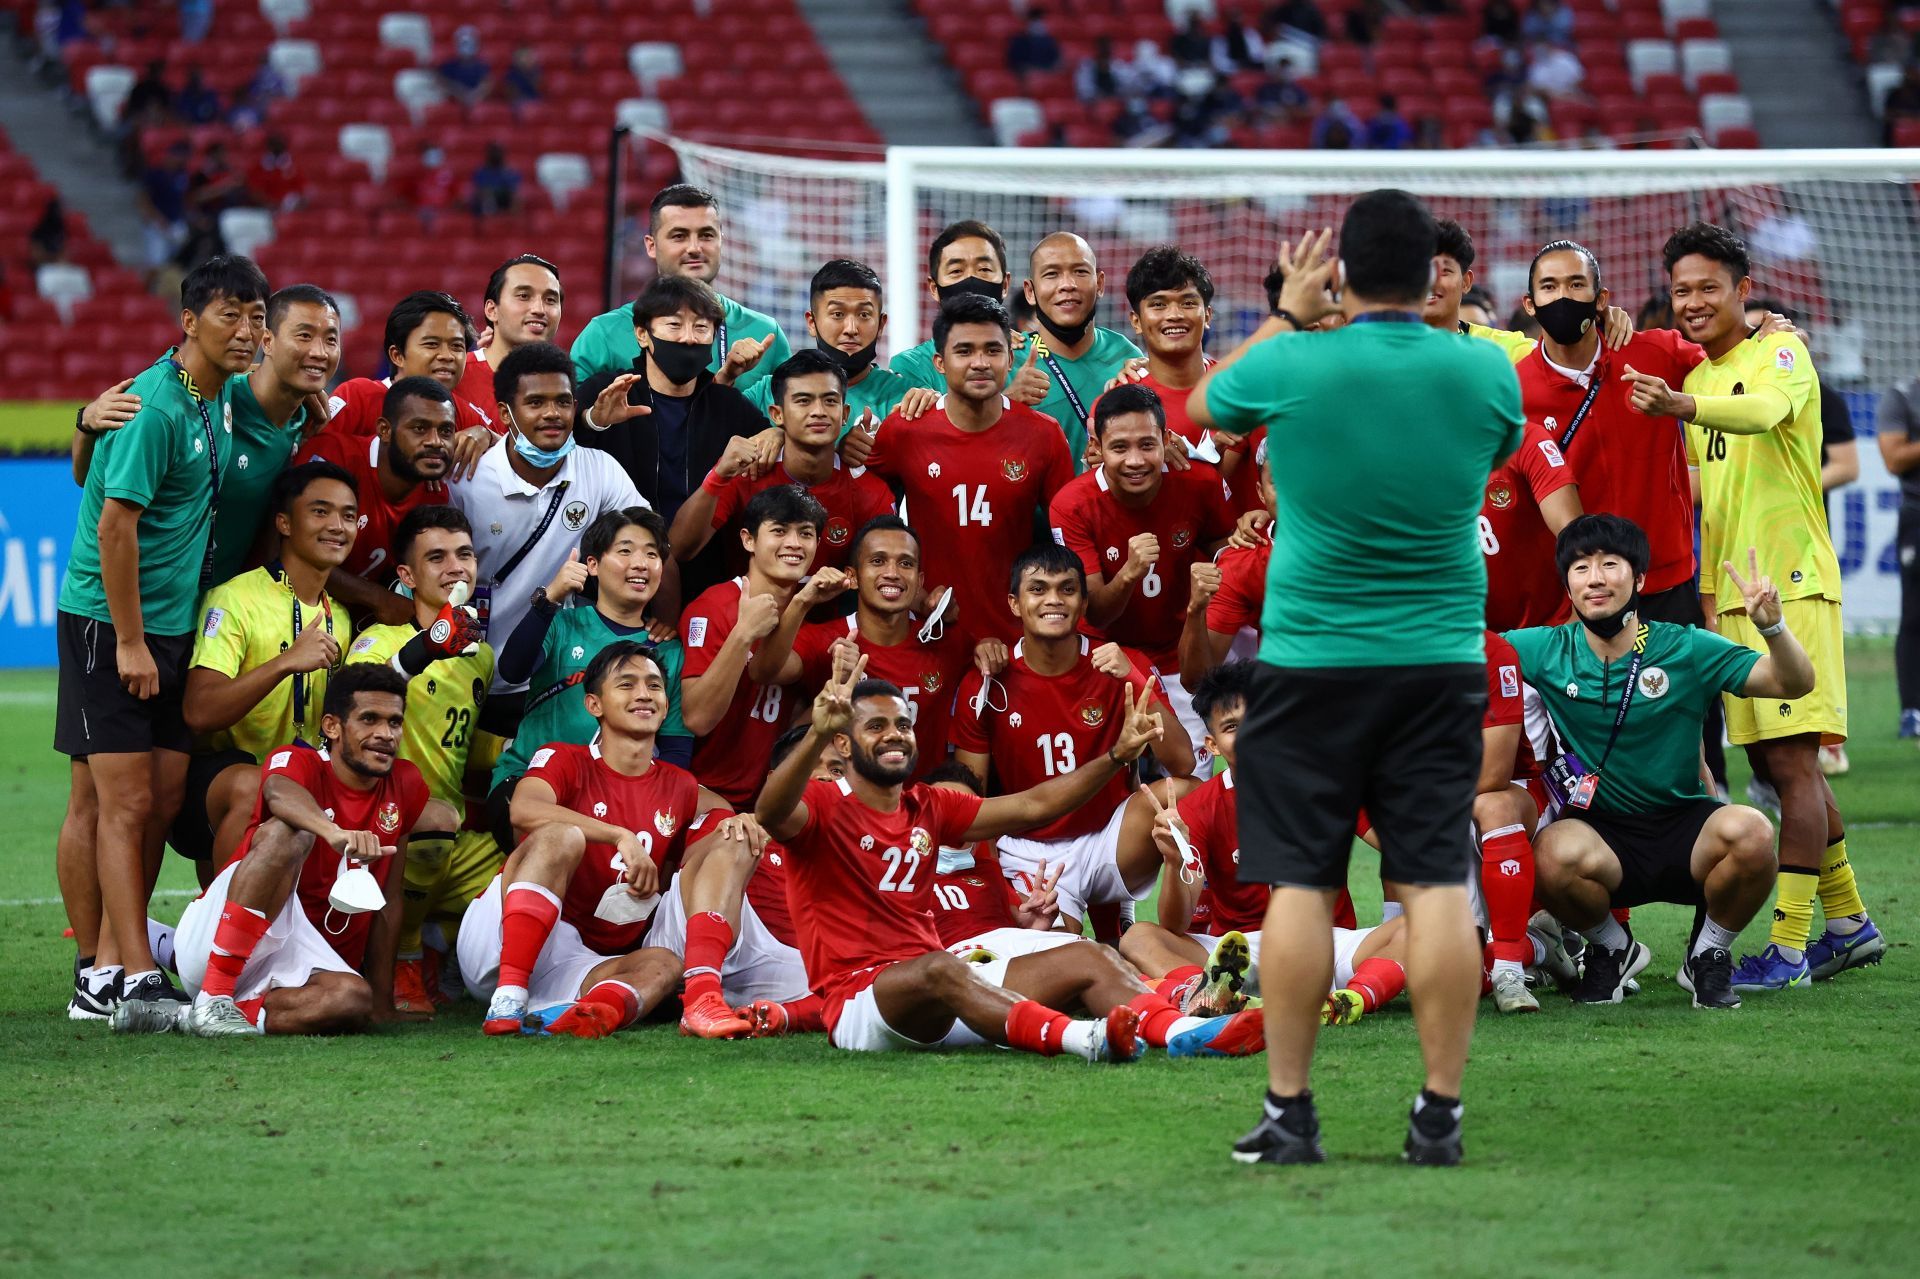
(1506, 880)
(1343, 916)
(254, 1010)
(804, 1015)
(619, 996)
(1156, 1016)
(1035, 1028)
(1106, 920)
(1377, 981)
(526, 920)
(1621, 915)
(234, 938)
(709, 938)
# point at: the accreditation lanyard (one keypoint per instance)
(720, 346)
(1060, 376)
(300, 691)
(213, 464)
(1583, 793)
(1572, 427)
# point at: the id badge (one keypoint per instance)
(1583, 790)
(482, 604)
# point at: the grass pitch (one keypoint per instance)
(1645, 1139)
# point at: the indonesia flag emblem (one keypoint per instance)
(1092, 713)
(388, 818)
(1181, 536)
(666, 823)
(1013, 468)
(930, 681)
(1499, 496)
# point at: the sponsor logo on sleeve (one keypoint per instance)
(1783, 359)
(1551, 452)
(215, 616)
(1509, 682)
(280, 759)
(696, 632)
(540, 758)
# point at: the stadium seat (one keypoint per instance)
(409, 31)
(284, 13)
(643, 114)
(65, 285)
(1738, 140)
(1012, 117)
(294, 61)
(1881, 78)
(652, 61)
(1724, 111)
(418, 90)
(1650, 57)
(563, 174)
(1678, 11)
(371, 144)
(1697, 56)
(245, 230)
(107, 90)
(1178, 11)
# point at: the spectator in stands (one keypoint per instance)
(1239, 46)
(69, 21)
(1548, 22)
(1555, 70)
(47, 242)
(1134, 123)
(1893, 44)
(1191, 46)
(1301, 18)
(496, 184)
(1337, 128)
(150, 101)
(1033, 49)
(1388, 130)
(1903, 100)
(1199, 119)
(267, 87)
(1279, 98)
(1500, 21)
(1153, 70)
(216, 185)
(522, 81)
(466, 76)
(1508, 76)
(1102, 76)
(433, 186)
(196, 102)
(1363, 20)
(163, 204)
(275, 180)
(1520, 118)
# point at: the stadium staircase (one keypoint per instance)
(895, 72)
(1792, 48)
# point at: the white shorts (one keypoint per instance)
(1252, 984)
(758, 966)
(1182, 702)
(292, 951)
(1007, 945)
(862, 1029)
(1345, 942)
(1090, 872)
(558, 974)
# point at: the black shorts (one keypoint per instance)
(96, 715)
(1655, 851)
(500, 812)
(192, 832)
(1317, 745)
(1678, 604)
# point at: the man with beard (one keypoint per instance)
(523, 304)
(847, 317)
(1065, 285)
(427, 335)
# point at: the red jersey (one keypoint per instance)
(1187, 515)
(389, 809)
(1244, 483)
(926, 673)
(476, 383)
(1505, 704)
(659, 807)
(1243, 589)
(1213, 828)
(356, 403)
(767, 890)
(972, 495)
(731, 760)
(850, 494)
(1523, 581)
(860, 881)
(372, 553)
(1050, 725)
(974, 899)
(1179, 421)
(1629, 464)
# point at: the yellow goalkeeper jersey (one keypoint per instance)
(246, 622)
(443, 702)
(1518, 346)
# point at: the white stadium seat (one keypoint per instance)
(245, 230)
(417, 88)
(652, 61)
(295, 60)
(1650, 57)
(641, 114)
(1881, 77)
(409, 31)
(1678, 11)
(1704, 57)
(349, 311)
(63, 284)
(564, 174)
(284, 13)
(107, 90)
(1013, 117)
(370, 144)
(1179, 10)
(1724, 111)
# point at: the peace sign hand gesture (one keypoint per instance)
(833, 705)
(1761, 595)
(1140, 729)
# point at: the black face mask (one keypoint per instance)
(852, 363)
(680, 362)
(1611, 625)
(1567, 320)
(974, 285)
(1069, 334)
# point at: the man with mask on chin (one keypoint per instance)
(1065, 284)
(529, 498)
(847, 316)
(967, 257)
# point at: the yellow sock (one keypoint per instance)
(1793, 907)
(1839, 894)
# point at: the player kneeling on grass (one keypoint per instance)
(861, 862)
(1636, 825)
(563, 926)
(279, 941)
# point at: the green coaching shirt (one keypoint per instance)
(261, 451)
(1380, 438)
(608, 343)
(556, 699)
(160, 462)
(1655, 763)
(878, 389)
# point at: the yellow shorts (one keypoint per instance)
(444, 889)
(1815, 622)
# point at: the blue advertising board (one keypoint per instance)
(38, 505)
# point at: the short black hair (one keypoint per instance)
(417, 387)
(528, 361)
(1128, 397)
(1388, 241)
(1477, 296)
(1046, 557)
(599, 536)
(284, 300)
(295, 480)
(1221, 687)
(876, 688)
(412, 310)
(1564, 246)
(783, 504)
(844, 273)
(785, 744)
(885, 523)
(1451, 239)
(422, 518)
(349, 681)
(671, 294)
(1601, 534)
(1715, 243)
(498, 280)
(805, 364)
(1164, 267)
(225, 275)
(607, 659)
(967, 229)
(954, 771)
(681, 195)
(968, 308)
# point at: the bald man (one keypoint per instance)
(1064, 284)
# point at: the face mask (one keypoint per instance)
(534, 453)
(852, 363)
(680, 362)
(1611, 625)
(955, 859)
(974, 285)
(1069, 334)
(1567, 320)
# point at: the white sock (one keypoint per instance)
(1183, 1024)
(512, 992)
(1078, 1038)
(1792, 954)
(101, 976)
(1847, 925)
(1539, 950)
(1391, 910)
(1608, 933)
(160, 942)
(1508, 966)
(1712, 935)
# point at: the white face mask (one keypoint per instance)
(935, 626)
(355, 892)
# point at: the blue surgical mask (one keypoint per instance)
(534, 453)
(954, 859)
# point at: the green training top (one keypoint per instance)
(1380, 438)
(158, 462)
(608, 343)
(880, 390)
(1655, 763)
(261, 451)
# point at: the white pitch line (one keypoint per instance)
(18, 697)
(55, 901)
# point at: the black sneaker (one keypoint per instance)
(1709, 975)
(150, 1006)
(91, 1001)
(1293, 1138)
(1607, 972)
(1433, 1135)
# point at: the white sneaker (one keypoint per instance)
(218, 1017)
(1834, 761)
(1558, 965)
(1763, 797)
(1510, 993)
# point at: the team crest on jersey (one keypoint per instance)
(1113, 553)
(1013, 720)
(574, 516)
(599, 810)
(977, 883)
(1509, 682)
(387, 820)
(1091, 713)
(1654, 683)
(837, 532)
(666, 823)
(866, 843)
(1499, 496)
(1181, 536)
(1013, 468)
(919, 841)
(1551, 451)
(1783, 359)
(933, 470)
(930, 682)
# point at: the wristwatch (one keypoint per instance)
(80, 423)
(541, 604)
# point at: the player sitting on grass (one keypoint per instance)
(606, 825)
(861, 859)
(279, 942)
